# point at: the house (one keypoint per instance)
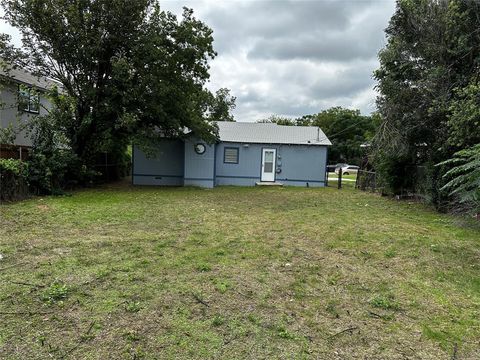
(22, 97)
(245, 154)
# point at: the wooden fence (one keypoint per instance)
(14, 152)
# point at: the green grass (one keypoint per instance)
(156, 273)
(348, 181)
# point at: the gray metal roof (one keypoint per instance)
(25, 77)
(268, 133)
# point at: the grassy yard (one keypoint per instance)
(347, 180)
(289, 273)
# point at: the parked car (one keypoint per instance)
(347, 170)
(331, 168)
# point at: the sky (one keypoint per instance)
(291, 57)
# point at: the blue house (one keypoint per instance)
(246, 154)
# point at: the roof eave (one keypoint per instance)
(273, 143)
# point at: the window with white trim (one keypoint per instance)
(28, 99)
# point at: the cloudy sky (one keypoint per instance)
(294, 57)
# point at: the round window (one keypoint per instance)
(200, 148)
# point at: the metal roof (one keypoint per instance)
(269, 133)
(25, 77)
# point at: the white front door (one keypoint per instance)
(268, 164)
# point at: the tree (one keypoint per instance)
(222, 105)
(464, 120)
(127, 70)
(432, 53)
(279, 120)
(347, 130)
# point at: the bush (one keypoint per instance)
(51, 172)
(395, 174)
(53, 165)
(13, 180)
(464, 178)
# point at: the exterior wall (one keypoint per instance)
(9, 112)
(246, 172)
(199, 168)
(166, 168)
(178, 164)
(299, 165)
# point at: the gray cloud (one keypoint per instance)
(279, 20)
(291, 57)
(344, 83)
(296, 57)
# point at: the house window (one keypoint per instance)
(230, 155)
(28, 99)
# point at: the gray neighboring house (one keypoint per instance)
(246, 154)
(22, 97)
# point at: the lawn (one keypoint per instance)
(156, 273)
(347, 180)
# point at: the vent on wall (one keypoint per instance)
(231, 156)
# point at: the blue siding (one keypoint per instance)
(246, 172)
(298, 164)
(199, 168)
(165, 168)
(302, 164)
(177, 163)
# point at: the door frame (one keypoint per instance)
(264, 149)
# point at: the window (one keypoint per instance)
(230, 155)
(28, 99)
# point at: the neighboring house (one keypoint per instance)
(246, 154)
(22, 97)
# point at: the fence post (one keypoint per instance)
(340, 178)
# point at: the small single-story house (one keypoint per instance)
(245, 154)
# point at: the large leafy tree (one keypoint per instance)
(126, 68)
(432, 53)
(347, 130)
(221, 106)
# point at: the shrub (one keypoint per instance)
(464, 178)
(13, 180)
(53, 164)
(395, 175)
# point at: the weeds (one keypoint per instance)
(56, 293)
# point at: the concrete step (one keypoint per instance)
(268, 183)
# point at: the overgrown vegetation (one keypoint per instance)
(127, 71)
(429, 101)
(53, 165)
(13, 180)
(132, 272)
(464, 178)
